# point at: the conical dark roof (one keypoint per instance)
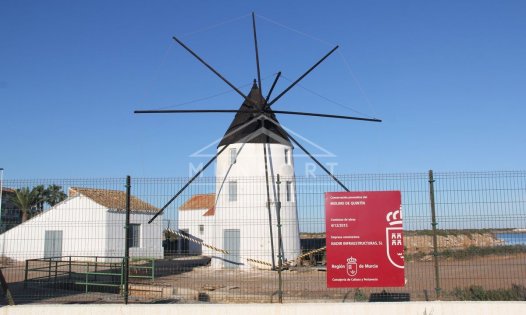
(246, 126)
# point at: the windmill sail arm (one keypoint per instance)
(319, 164)
(272, 87)
(216, 111)
(268, 203)
(212, 69)
(227, 173)
(257, 50)
(302, 76)
(188, 111)
(285, 112)
(187, 184)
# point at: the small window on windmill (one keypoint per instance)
(232, 190)
(201, 229)
(287, 156)
(289, 191)
(233, 155)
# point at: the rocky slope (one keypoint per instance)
(424, 243)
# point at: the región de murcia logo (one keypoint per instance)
(394, 240)
(352, 266)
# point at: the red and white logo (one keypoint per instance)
(394, 238)
(352, 266)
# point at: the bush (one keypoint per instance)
(475, 251)
(478, 293)
(470, 252)
(359, 296)
(454, 232)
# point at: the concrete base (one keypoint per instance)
(423, 308)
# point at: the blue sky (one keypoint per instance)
(447, 79)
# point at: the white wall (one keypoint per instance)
(81, 221)
(190, 220)
(150, 235)
(88, 229)
(249, 213)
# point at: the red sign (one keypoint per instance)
(365, 246)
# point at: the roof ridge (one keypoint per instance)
(199, 202)
(112, 199)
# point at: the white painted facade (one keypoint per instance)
(243, 205)
(198, 226)
(87, 229)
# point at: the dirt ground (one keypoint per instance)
(192, 281)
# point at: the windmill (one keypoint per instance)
(256, 145)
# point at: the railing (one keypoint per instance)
(91, 271)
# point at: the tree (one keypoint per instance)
(31, 201)
(25, 200)
(54, 195)
(40, 193)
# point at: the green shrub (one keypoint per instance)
(470, 252)
(478, 293)
(475, 251)
(454, 232)
(359, 296)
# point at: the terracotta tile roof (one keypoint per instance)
(210, 212)
(199, 202)
(112, 199)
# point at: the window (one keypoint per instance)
(287, 156)
(201, 229)
(232, 190)
(288, 190)
(135, 235)
(233, 155)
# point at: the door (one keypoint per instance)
(53, 244)
(231, 243)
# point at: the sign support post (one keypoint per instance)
(434, 226)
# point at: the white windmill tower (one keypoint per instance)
(246, 216)
(255, 147)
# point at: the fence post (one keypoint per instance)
(26, 273)
(96, 267)
(49, 270)
(153, 269)
(434, 226)
(87, 276)
(127, 239)
(280, 243)
(69, 268)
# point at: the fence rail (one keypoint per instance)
(464, 239)
(86, 271)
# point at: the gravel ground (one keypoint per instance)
(192, 280)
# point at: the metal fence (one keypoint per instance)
(224, 241)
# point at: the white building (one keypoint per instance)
(240, 223)
(195, 219)
(90, 222)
